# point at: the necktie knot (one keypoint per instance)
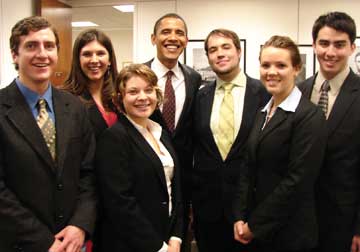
(41, 104)
(169, 74)
(228, 87)
(325, 86)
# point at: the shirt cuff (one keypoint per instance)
(175, 239)
(164, 248)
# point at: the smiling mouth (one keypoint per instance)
(41, 64)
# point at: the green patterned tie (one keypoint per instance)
(47, 127)
(225, 137)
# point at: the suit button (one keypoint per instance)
(164, 203)
(60, 187)
(254, 189)
(60, 217)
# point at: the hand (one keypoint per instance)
(72, 239)
(55, 246)
(242, 232)
(174, 246)
(355, 245)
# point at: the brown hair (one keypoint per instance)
(126, 74)
(24, 27)
(223, 33)
(77, 82)
(284, 42)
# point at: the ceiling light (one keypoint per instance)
(125, 7)
(83, 24)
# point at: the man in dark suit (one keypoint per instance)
(47, 196)
(219, 149)
(170, 38)
(338, 185)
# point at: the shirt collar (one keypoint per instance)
(289, 104)
(161, 70)
(152, 126)
(335, 83)
(32, 97)
(239, 80)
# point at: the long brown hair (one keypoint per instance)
(77, 82)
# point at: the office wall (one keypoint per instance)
(10, 12)
(253, 20)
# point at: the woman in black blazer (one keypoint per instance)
(138, 172)
(92, 76)
(274, 208)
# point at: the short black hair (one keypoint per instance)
(339, 21)
(169, 15)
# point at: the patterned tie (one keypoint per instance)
(324, 98)
(47, 127)
(169, 103)
(225, 137)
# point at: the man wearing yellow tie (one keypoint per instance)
(224, 113)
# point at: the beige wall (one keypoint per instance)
(253, 20)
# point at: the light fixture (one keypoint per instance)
(83, 24)
(125, 7)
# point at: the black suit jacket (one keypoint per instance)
(97, 121)
(277, 197)
(39, 197)
(339, 181)
(214, 180)
(134, 192)
(182, 135)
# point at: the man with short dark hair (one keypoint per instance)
(224, 111)
(179, 84)
(336, 89)
(47, 192)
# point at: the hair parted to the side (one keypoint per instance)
(286, 43)
(77, 82)
(126, 74)
(24, 27)
(339, 21)
(223, 33)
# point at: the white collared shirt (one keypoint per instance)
(289, 104)
(335, 86)
(238, 93)
(178, 83)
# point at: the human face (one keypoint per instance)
(277, 72)
(94, 61)
(332, 49)
(139, 99)
(170, 40)
(37, 57)
(223, 57)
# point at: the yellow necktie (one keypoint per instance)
(225, 137)
(47, 127)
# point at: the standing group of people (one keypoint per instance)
(130, 160)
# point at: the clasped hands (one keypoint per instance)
(242, 232)
(70, 239)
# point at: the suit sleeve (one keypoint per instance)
(306, 153)
(19, 226)
(85, 212)
(116, 183)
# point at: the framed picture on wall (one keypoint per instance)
(308, 59)
(354, 59)
(195, 57)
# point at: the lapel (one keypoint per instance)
(63, 129)
(20, 116)
(206, 99)
(277, 119)
(188, 97)
(145, 148)
(347, 95)
(94, 113)
(307, 86)
(251, 105)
